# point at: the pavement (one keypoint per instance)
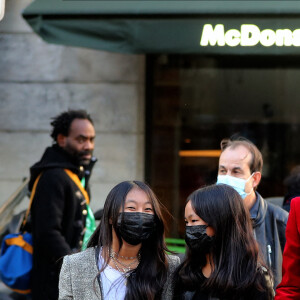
(7, 294)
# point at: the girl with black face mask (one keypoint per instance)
(126, 256)
(222, 259)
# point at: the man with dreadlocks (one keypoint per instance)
(60, 207)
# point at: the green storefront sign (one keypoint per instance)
(204, 27)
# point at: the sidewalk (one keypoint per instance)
(4, 292)
(7, 294)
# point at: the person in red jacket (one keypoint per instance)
(289, 288)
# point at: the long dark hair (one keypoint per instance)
(147, 280)
(235, 253)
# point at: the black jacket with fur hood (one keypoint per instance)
(57, 218)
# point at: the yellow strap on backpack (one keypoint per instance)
(73, 176)
(76, 180)
(19, 241)
(31, 199)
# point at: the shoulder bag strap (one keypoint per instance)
(76, 180)
(31, 199)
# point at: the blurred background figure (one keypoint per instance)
(240, 166)
(292, 183)
(60, 212)
(289, 288)
(98, 214)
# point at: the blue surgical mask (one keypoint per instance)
(237, 183)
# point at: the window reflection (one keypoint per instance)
(195, 101)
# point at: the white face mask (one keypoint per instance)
(237, 183)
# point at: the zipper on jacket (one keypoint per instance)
(269, 255)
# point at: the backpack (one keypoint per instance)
(16, 256)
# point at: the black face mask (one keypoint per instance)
(135, 227)
(197, 239)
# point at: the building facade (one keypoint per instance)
(165, 83)
(39, 80)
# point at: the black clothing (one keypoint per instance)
(286, 205)
(202, 294)
(292, 182)
(57, 218)
(269, 230)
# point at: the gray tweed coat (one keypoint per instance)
(77, 277)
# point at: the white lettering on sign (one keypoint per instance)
(248, 36)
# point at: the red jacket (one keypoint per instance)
(289, 288)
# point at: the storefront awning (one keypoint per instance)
(142, 26)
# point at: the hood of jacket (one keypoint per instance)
(57, 157)
(262, 210)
